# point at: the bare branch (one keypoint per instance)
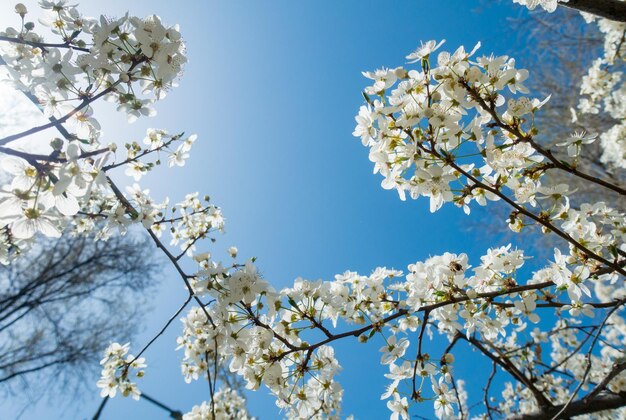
(610, 9)
(603, 401)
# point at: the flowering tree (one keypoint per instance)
(455, 127)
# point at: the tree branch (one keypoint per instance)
(490, 108)
(43, 45)
(603, 401)
(59, 121)
(610, 9)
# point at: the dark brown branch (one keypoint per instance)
(419, 358)
(569, 356)
(453, 382)
(617, 369)
(540, 397)
(486, 389)
(317, 324)
(561, 304)
(43, 45)
(603, 401)
(570, 169)
(255, 319)
(211, 384)
(175, 414)
(33, 158)
(104, 402)
(615, 266)
(610, 9)
(184, 276)
(510, 368)
(404, 312)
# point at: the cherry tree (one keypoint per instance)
(456, 127)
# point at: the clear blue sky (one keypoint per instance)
(272, 88)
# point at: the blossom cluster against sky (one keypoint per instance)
(272, 88)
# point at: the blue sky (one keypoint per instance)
(272, 88)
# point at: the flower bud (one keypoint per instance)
(29, 26)
(56, 144)
(21, 10)
(401, 73)
(233, 251)
(205, 256)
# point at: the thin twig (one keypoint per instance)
(486, 389)
(160, 333)
(588, 367)
(43, 45)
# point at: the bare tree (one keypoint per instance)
(63, 302)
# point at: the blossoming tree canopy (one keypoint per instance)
(456, 126)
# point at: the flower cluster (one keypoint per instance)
(74, 189)
(460, 132)
(449, 133)
(276, 338)
(420, 134)
(116, 372)
(547, 5)
(247, 330)
(122, 60)
(228, 405)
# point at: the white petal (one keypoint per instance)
(14, 165)
(73, 151)
(47, 228)
(23, 229)
(61, 185)
(67, 205)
